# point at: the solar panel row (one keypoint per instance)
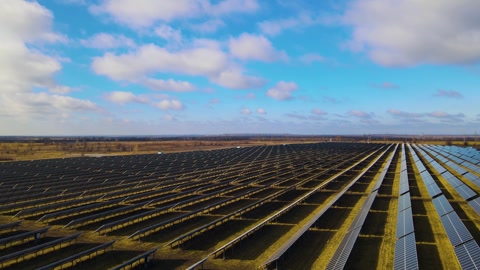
(456, 230)
(468, 255)
(406, 253)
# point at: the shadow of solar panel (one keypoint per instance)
(475, 204)
(468, 255)
(404, 202)
(433, 190)
(465, 192)
(456, 230)
(406, 253)
(404, 222)
(442, 205)
(340, 257)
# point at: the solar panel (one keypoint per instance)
(404, 202)
(340, 257)
(475, 204)
(427, 178)
(433, 190)
(472, 177)
(465, 192)
(404, 222)
(454, 182)
(406, 253)
(420, 166)
(468, 255)
(442, 205)
(456, 230)
(404, 188)
(403, 177)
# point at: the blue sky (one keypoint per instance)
(154, 67)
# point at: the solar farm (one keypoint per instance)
(328, 205)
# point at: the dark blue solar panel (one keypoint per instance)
(340, 257)
(433, 190)
(404, 202)
(468, 255)
(406, 253)
(465, 192)
(442, 205)
(475, 204)
(404, 222)
(456, 230)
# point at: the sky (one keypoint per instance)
(161, 67)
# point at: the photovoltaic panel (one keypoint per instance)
(404, 222)
(465, 192)
(472, 177)
(468, 255)
(421, 168)
(456, 230)
(442, 205)
(406, 253)
(340, 257)
(433, 190)
(404, 188)
(427, 178)
(454, 182)
(404, 202)
(475, 204)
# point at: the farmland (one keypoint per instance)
(328, 205)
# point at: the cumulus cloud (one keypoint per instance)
(282, 90)
(168, 33)
(168, 85)
(24, 67)
(275, 27)
(210, 62)
(448, 93)
(107, 41)
(209, 26)
(122, 97)
(145, 13)
(254, 47)
(170, 104)
(408, 33)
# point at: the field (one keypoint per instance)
(271, 205)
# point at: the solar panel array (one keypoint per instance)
(458, 234)
(405, 247)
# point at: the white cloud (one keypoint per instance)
(168, 85)
(149, 59)
(107, 41)
(254, 47)
(170, 104)
(246, 111)
(122, 97)
(385, 85)
(210, 26)
(261, 111)
(275, 27)
(168, 33)
(360, 114)
(145, 13)
(407, 33)
(61, 90)
(24, 67)
(282, 90)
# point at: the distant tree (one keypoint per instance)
(448, 142)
